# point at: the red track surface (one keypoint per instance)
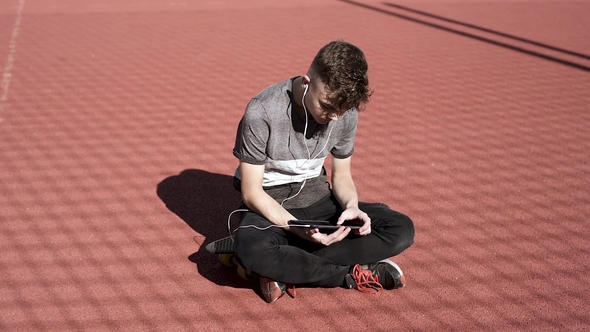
(115, 152)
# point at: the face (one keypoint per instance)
(317, 103)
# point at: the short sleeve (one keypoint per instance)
(252, 135)
(344, 147)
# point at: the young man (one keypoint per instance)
(282, 141)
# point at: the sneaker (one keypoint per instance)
(272, 290)
(374, 277)
(389, 274)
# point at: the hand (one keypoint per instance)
(314, 235)
(357, 216)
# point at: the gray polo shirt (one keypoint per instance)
(271, 134)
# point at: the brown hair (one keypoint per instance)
(343, 68)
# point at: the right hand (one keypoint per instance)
(314, 235)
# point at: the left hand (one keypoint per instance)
(314, 235)
(356, 215)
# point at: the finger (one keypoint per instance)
(343, 217)
(339, 231)
(311, 233)
(319, 238)
(330, 238)
(364, 232)
(314, 230)
(340, 234)
(366, 227)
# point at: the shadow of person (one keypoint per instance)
(204, 201)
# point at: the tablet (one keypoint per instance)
(323, 224)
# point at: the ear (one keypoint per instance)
(305, 80)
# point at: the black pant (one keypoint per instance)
(282, 256)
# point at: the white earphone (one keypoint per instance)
(305, 129)
(306, 119)
(305, 143)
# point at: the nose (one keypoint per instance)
(333, 116)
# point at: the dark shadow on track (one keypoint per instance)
(472, 26)
(204, 201)
(465, 34)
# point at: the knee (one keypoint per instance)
(246, 254)
(251, 251)
(395, 224)
(246, 246)
(407, 232)
(398, 231)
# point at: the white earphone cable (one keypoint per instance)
(302, 185)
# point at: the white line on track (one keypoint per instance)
(7, 74)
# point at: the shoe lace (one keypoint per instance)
(291, 291)
(365, 281)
